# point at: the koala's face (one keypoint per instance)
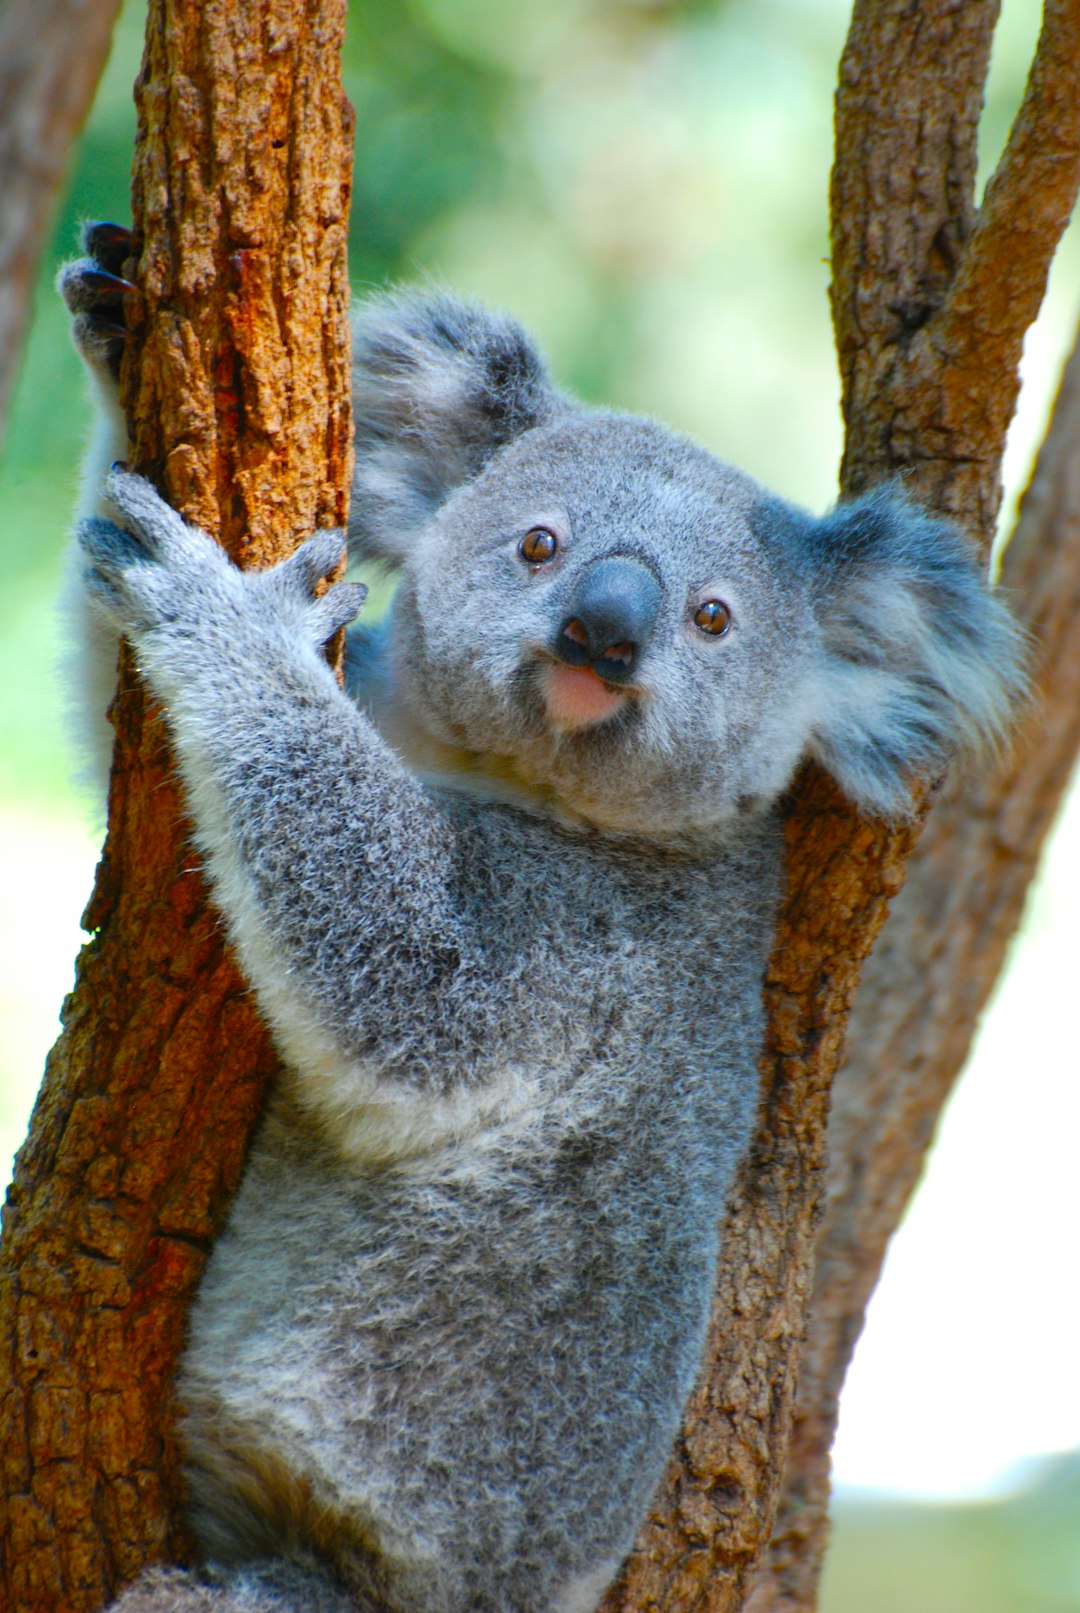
(606, 614)
(600, 610)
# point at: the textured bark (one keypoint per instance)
(925, 985)
(930, 303)
(931, 300)
(51, 56)
(140, 1131)
(238, 382)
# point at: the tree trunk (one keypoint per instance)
(930, 300)
(924, 987)
(238, 393)
(51, 56)
(139, 1134)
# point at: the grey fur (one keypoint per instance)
(512, 959)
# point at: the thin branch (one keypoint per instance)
(51, 56)
(1028, 203)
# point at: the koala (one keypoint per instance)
(506, 901)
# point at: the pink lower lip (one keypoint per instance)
(575, 697)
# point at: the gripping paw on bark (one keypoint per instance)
(150, 571)
(94, 289)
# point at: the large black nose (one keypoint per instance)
(609, 618)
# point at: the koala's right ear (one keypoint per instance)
(439, 384)
(918, 659)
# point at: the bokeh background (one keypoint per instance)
(645, 185)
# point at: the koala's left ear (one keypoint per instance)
(439, 385)
(919, 658)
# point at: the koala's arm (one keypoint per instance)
(93, 292)
(331, 864)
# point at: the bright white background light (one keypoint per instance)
(967, 1365)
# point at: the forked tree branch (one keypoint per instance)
(931, 302)
(1028, 202)
(902, 197)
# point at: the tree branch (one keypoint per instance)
(925, 986)
(240, 376)
(911, 83)
(930, 320)
(1028, 202)
(902, 198)
(51, 56)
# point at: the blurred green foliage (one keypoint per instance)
(1019, 1554)
(644, 182)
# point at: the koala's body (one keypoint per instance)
(506, 904)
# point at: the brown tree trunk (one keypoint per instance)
(925, 985)
(139, 1133)
(238, 382)
(51, 56)
(931, 300)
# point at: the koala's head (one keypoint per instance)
(603, 611)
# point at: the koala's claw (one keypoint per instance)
(103, 289)
(149, 569)
(305, 569)
(336, 608)
(316, 558)
(108, 547)
(95, 290)
(111, 557)
(110, 245)
(151, 523)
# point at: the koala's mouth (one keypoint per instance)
(576, 697)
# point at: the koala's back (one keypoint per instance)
(456, 1376)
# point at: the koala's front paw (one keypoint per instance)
(152, 573)
(94, 290)
(151, 569)
(292, 587)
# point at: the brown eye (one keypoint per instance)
(713, 617)
(538, 546)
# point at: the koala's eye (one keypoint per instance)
(713, 617)
(538, 546)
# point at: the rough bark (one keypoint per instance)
(139, 1133)
(931, 299)
(238, 383)
(925, 986)
(51, 56)
(920, 281)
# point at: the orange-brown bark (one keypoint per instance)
(925, 985)
(238, 384)
(139, 1134)
(918, 275)
(931, 299)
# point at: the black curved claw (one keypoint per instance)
(108, 290)
(110, 245)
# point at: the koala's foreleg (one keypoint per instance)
(328, 859)
(94, 291)
(270, 1588)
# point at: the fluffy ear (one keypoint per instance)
(439, 385)
(919, 659)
